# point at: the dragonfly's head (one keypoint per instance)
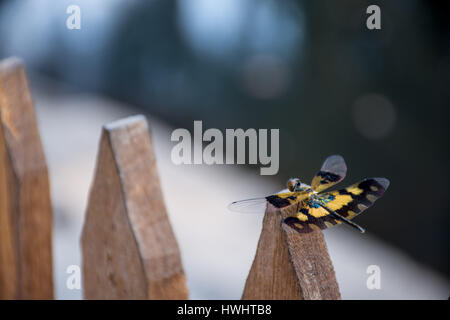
(293, 184)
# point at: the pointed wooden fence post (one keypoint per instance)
(25, 207)
(289, 265)
(128, 247)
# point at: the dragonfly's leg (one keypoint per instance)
(341, 218)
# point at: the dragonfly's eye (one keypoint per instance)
(293, 183)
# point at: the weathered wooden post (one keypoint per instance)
(128, 247)
(25, 206)
(289, 265)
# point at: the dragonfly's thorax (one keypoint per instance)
(302, 187)
(310, 195)
(310, 191)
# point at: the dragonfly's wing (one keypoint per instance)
(311, 218)
(257, 205)
(333, 171)
(281, 200)
(353, 200)
(348, 202)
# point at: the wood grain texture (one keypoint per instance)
(26, 270)
(129, 249)
(289, 265)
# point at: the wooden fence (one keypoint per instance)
(129, 250)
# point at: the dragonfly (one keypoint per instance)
(316, 208)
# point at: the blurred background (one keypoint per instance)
(310, 68)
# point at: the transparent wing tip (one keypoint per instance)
(383, 182)
(256, 205)
(336, 164)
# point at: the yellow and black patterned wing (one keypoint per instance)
(310, 218)
(348, 202)
(333, 171)
(353, 200)
(282, 200)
